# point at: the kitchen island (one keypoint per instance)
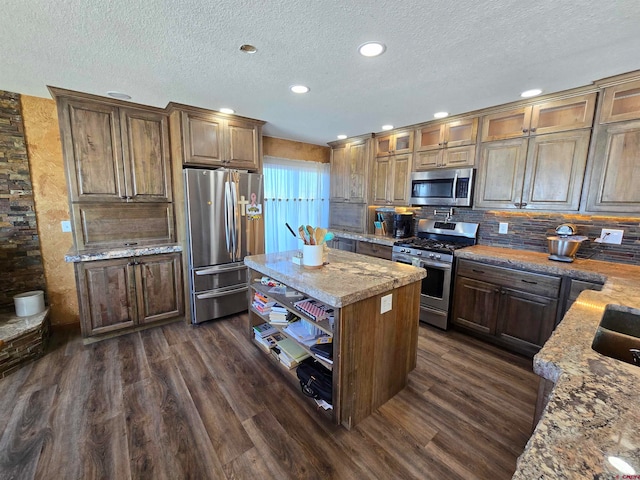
(375, 328)
(592, 416)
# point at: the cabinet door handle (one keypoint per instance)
(533, 129)
(523, 204)
(528, 281)
(524, 130)
(477, 271)
(446, 141)
(517, 204)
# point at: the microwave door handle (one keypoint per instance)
(455, 187)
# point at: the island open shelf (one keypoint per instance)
(373, 352)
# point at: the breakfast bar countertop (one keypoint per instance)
(592, 420)
(344, 279)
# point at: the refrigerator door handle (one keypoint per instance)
(216, 294)
(234, 196)
(213, 270)
(227, 216)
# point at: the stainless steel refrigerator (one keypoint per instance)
(224, 224)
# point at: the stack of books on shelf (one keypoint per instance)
(291, 354)
(279, 315)
(262, 304)
(270, 341)
(305, 333)
(314, 309)
(323, 351)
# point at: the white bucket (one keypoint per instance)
(29, 303)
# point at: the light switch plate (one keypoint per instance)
(66, 225)
(386, 303)
(503, 228)
(609, 235)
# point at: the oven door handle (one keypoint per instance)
(442, 265)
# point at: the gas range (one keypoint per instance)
(437, 240)
(432, 249)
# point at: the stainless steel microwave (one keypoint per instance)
(443, 187)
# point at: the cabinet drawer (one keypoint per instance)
(537, 283)
(374, 250)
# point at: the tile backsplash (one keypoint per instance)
(529, 231)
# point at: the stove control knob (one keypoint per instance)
(438, 257)
(418, 253)
(431, 255)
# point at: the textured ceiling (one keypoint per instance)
(447, 55)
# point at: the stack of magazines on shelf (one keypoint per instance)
(291, 354)
(306, 333)
(279, 315)
(314, 309)
(267, 336)
(262, 304)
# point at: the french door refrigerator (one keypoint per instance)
(224, 224)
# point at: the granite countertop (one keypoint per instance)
(594, 409)
(345, 279)
(108, 253)
(366, 237)
(12, 326)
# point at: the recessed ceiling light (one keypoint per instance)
(371, 49)
(246, 48)
(387, 127)
(531, 93)
(441, 115)
(119, 95)
(341, 137)
(299, 88)
(227, 110)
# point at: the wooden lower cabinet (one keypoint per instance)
(374, 249)
(346, 244)
(125, 293)
(515, 309)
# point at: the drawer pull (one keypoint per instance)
(130, 244)
(477, 271)
(528, 281)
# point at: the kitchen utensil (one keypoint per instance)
(312, 240)
(292, 232)
(328, 237)
(302, 234)
(319, 235)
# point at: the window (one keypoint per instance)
(295, 192)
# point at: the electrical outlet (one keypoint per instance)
(66, 225)
(503, 228)
(609, 235)
(386, 303)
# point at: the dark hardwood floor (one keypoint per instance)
(202, 402)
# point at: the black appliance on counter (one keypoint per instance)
(432, 249)
(402, 225)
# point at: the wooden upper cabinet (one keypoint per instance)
(616, 169)
(349, 171)
(545, 117)
(145, 145)
(621, 102)
(202, 137)
(211, 139)
(500, 174)
(451, 134)
(394, 143)
(542, 173)
(390, 184)
(115, 154)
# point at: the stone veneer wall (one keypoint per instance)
(20, 257)
(529, 231)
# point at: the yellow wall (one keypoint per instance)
(50, 195)
(51, 200)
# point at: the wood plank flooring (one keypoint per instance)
(202, 402)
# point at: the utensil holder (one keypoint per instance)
(312, 256)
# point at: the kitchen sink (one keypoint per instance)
(618, 335)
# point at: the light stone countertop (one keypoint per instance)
(366, 237)
(346, 278)
(108, 253)
(594, 409)
(13, 326)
